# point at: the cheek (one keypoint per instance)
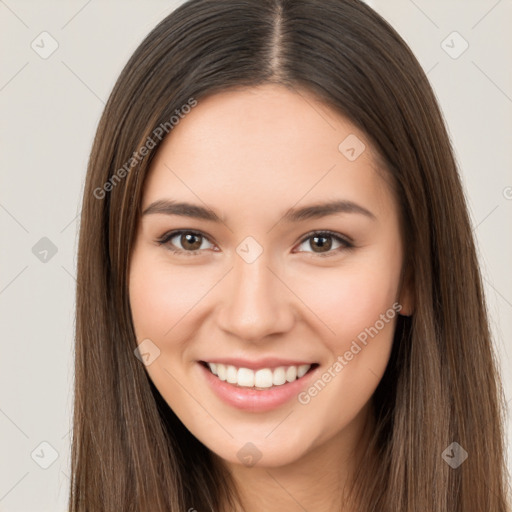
(150, 302)
(351, 298)
(160, 296)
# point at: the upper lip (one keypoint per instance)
(267, 362)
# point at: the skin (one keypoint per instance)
(250, 155)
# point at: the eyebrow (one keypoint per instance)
(314, 211)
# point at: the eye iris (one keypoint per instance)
(324, 246)
(187, 241)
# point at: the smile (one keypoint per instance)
(262, 378)
(267, 385)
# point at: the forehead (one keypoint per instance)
(259, 149)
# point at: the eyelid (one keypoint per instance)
(347, 242)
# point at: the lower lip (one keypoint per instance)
(252, 399)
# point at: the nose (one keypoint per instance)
(257, 303)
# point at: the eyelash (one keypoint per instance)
(167, 237)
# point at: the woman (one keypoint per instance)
(279, 305)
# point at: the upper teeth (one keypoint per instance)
(263, 378)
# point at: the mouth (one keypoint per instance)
(259, 379)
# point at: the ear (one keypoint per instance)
(406, 293)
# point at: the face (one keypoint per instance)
(292, 303)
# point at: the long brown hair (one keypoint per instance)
(130, 452)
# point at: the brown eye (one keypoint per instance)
(321, 243)
(324, 243)
(190, 241)
(185, 242)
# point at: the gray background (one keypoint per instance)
(49, 111)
